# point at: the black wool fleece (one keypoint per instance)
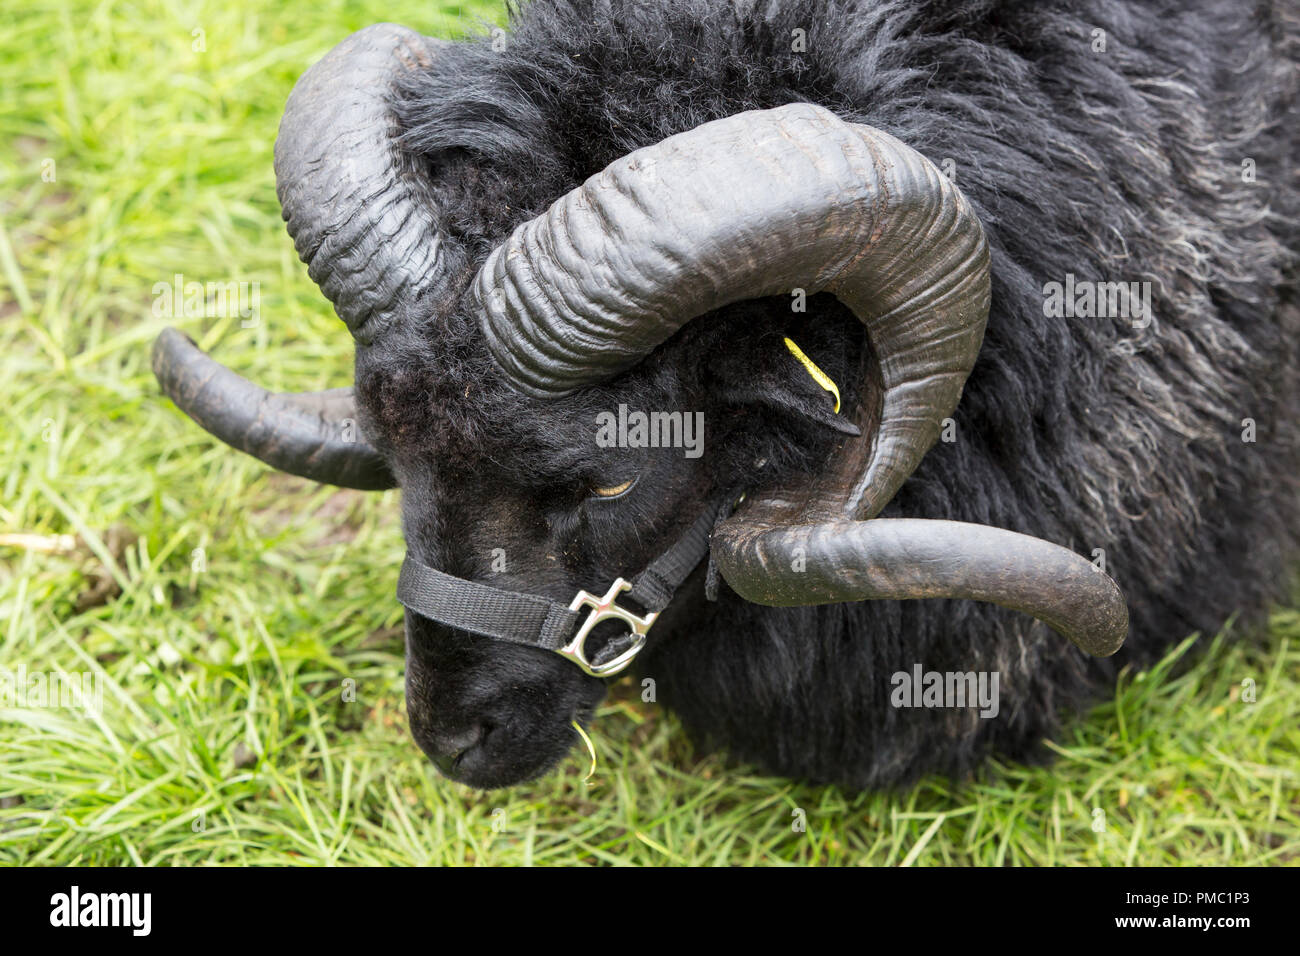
(1124, 162)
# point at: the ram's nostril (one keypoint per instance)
(449, 749)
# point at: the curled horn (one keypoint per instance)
(755, 204)
(759, 204)
(908, 558)
(314, 435)
(349, 197)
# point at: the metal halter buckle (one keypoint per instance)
(604, 608)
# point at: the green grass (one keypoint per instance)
(223, 606)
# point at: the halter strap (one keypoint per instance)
(538, 621)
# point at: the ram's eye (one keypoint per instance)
(614, 490)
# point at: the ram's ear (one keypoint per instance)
(785, 382)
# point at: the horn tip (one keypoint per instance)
(1112, 628)
(171, 349)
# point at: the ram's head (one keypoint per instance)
(661, 284)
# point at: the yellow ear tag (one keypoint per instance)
(818, 376)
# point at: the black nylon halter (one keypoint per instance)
(537, 621)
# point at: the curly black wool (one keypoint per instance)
(1108, 140)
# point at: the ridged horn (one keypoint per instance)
(906, 559)
(755, 204)
(351, 201)
(350, 197)
(760, 204)
(314, 435)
